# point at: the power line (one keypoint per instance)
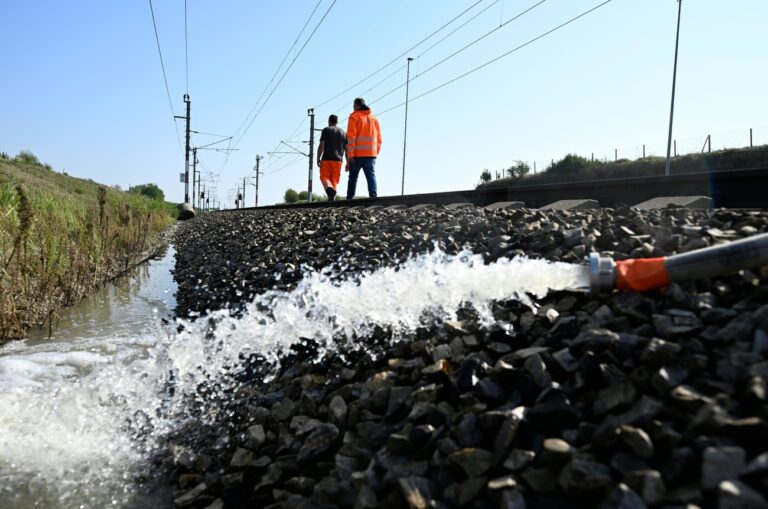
(287, 54)
(399, 56)
(425, 51)
(463, 48)
(500, 56)
(295, 158)
(456, 29)
(165, 78)
(277, 85)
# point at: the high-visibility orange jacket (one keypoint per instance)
(363, 135)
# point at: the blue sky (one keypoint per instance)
(82, 86)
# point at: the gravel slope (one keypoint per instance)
(630, 400)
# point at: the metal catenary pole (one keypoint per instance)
(311, 113)
(674, 81)
(258, 160)
(186, 149)
(194, 176)
(405, 123)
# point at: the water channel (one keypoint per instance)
(61, 407)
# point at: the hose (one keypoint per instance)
(643, 274)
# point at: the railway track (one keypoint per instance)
(744, 188)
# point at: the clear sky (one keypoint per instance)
(81, 84)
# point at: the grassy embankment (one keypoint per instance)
(61, 237)
(574, 168)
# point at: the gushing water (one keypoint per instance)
(80, 420)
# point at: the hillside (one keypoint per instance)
(62, 236)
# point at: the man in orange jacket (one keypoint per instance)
(363, 146)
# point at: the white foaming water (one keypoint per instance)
(65, 408)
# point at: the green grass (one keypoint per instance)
(62, 236)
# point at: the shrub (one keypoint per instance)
(149, 190)
(27, 157)
(571, 164)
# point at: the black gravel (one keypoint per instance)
(630, 400)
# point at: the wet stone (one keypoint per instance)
(500, 483)
(540, 480)
(318, 442)
(582, 474)
(518, 459)
(721, 463)
(191, 497)
(338, 410)
(648, 484)
(733, 494)
(473, 461)
(417, 492)
(637, 440)
(622, 497)
(512, 499)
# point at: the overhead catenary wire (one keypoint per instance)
(399, 69)
(274, 75)
(462, 49)
(165, 76)
(513, 50)
(397, 58)
(446, 36)
(277, 85)
(289, 163)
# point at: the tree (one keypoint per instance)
(4, 155)
(151, 191)
(486, 176)
(519, 170)
(290, 196)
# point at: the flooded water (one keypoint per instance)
(62, 421)
(82, 414)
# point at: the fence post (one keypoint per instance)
(615, 155)
(534, 167)
(675, 148)
(643, 150)
(593, 157)
(750, 137)
(709, 143)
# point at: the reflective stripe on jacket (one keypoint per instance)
(363, 134)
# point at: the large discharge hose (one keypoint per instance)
(642, 274)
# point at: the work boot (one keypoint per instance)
(331, 192)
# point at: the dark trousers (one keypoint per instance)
(368, 165)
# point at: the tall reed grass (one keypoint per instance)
(61, 237)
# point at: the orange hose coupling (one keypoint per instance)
(641, 274)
